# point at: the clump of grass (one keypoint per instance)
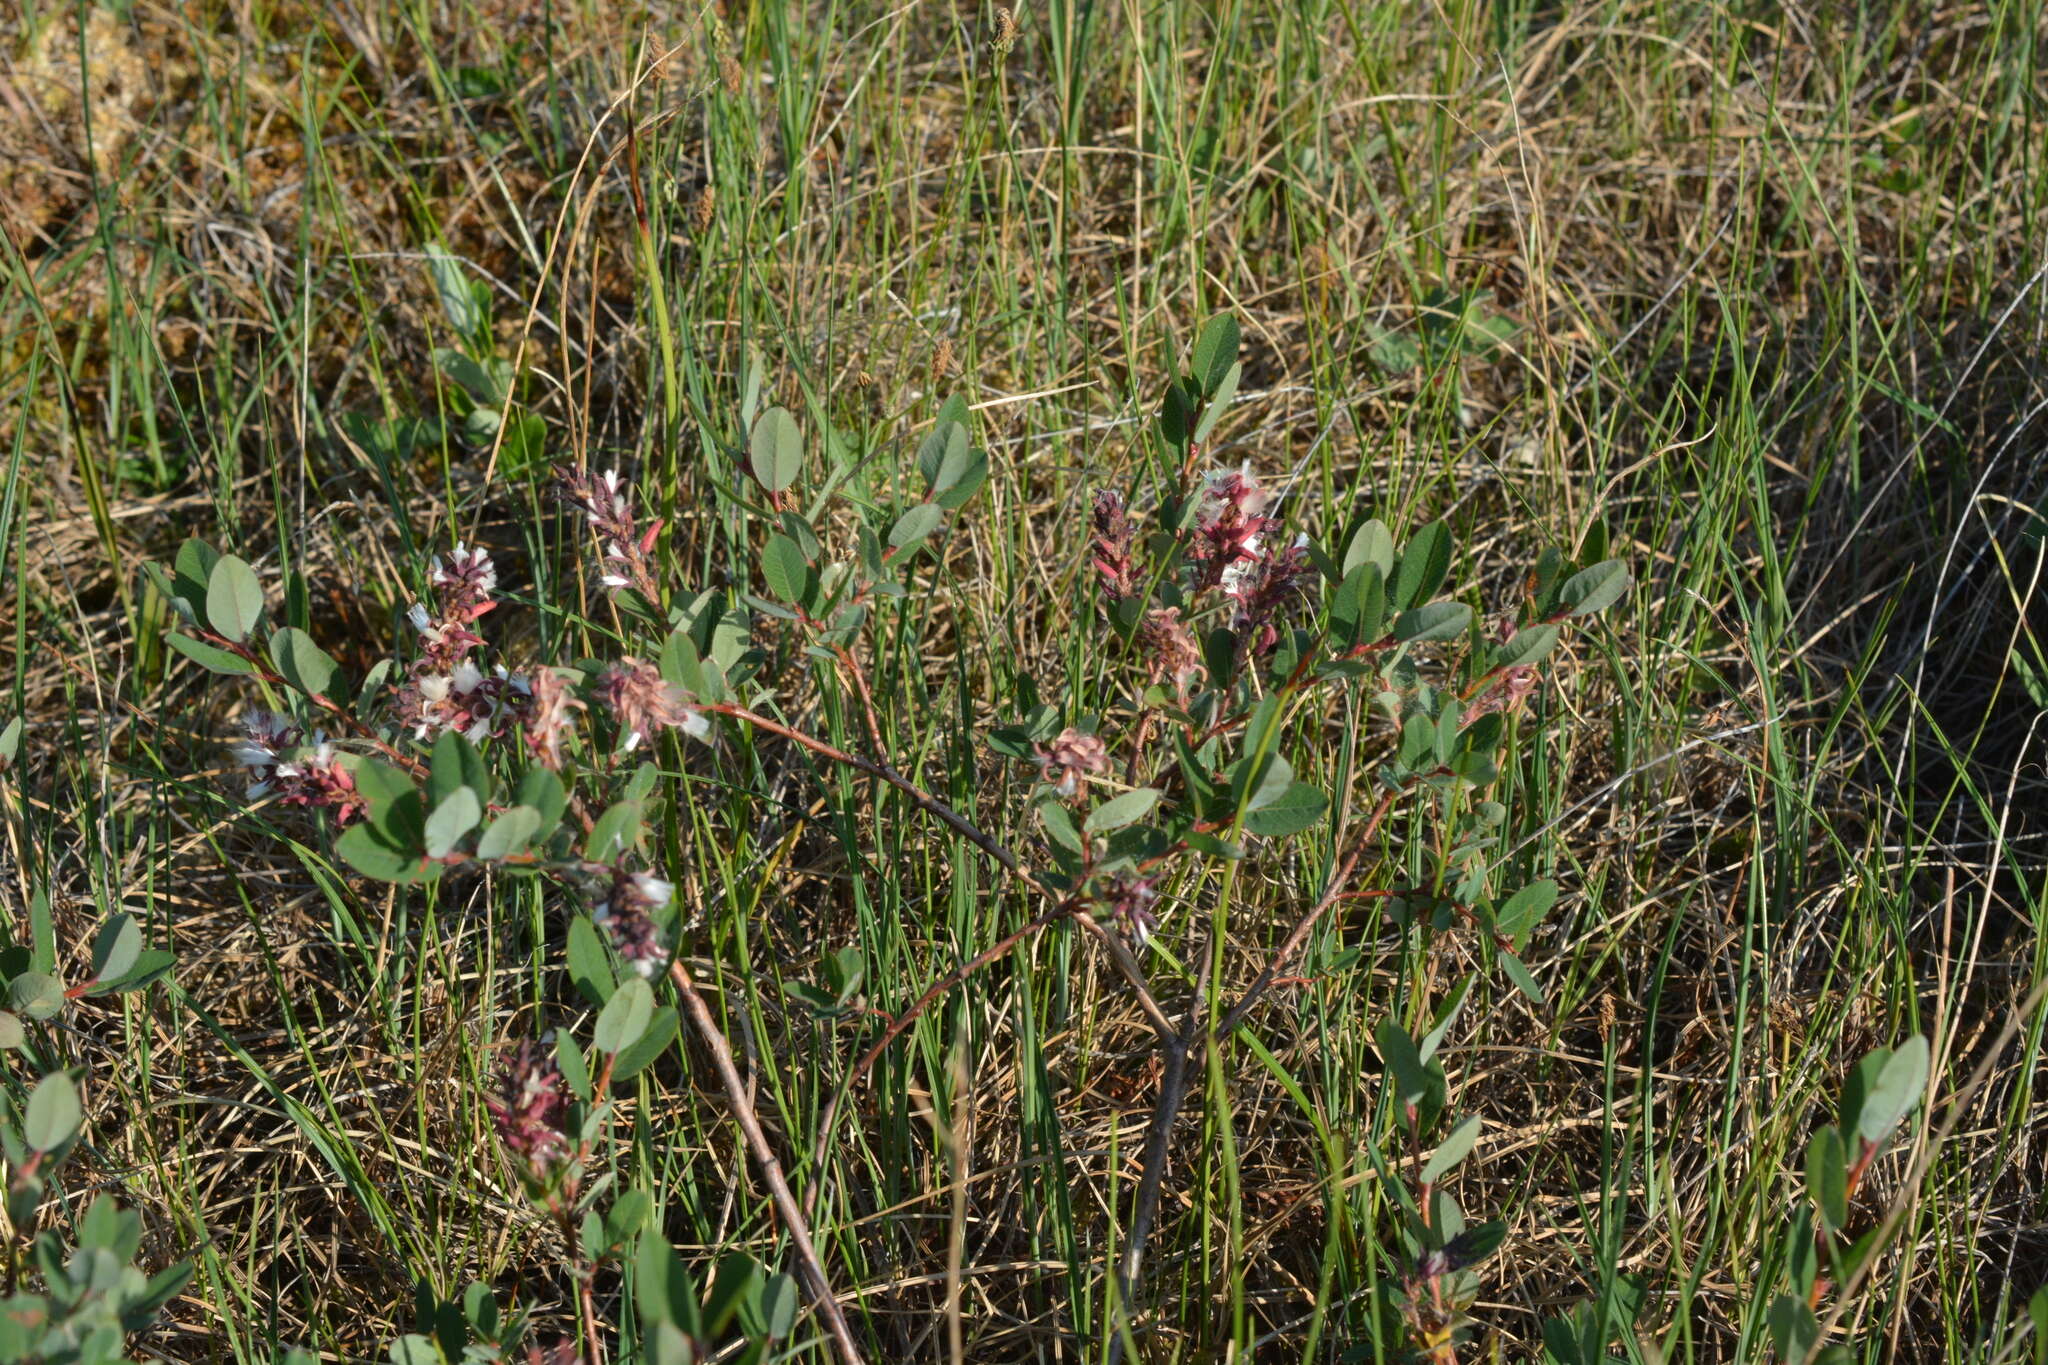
(1752, 303)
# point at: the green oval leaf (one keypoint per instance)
(234, 599)
(1528, 646)
(1423, 565)
(457, 764)
(914, 525)
(1519, 974)
(394, 803)
(54, 1114)
(153, 963)
(1371, 544)
(617, 830)
(638, 1055)
(116, 947)
(625, 1016)
(370, 852)
(1452, 1150)
(628, 1215)
(776, 449)
(36, 994)
(1594, 589)
(944, 455)
(1358, 609)
(1059, 823)
(590, 967)
(1898, 1088)
(1119, 811)
(785, 570)
(456, 816)
(1215, 352)
(1219, 401)
(1521, 911)
(508, 834)
(212, 658)
(1297, 808)
(1437, 621)
(302, 663)
(1827, 1177)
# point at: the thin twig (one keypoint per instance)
(1173, 1088)
(771, 1169)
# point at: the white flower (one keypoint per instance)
(421, 621)
(250, 754)
(653, 889)
(467, 566)
(467, 677)
(1231, 580)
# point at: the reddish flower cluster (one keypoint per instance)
(444, 690)
(475, 705)
(465, 582)
(531, 1112)
(627, 916)
(627, 549)
(1262, 590)
(1231, 530)
(1126, 901)
(1114, 531)
(298, 774)
(1072, 756)
(647, 703)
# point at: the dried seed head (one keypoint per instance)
(1170, 649)
(551, 718)
(1070, 758)
(646, 703)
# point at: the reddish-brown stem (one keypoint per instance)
(786, 1207)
